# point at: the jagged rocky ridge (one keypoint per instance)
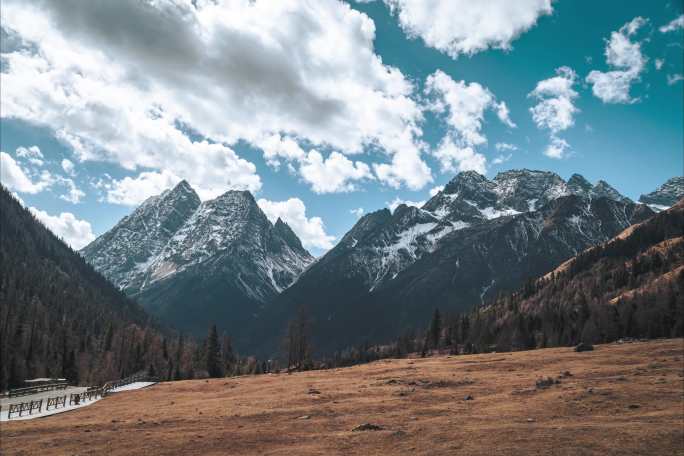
(194, 263)
(666, 195)
(474, 239)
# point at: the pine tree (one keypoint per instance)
(213, 354)
(435, 333)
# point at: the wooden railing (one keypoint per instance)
(20, 409)
(28, 407)
(18, 392)
(141, 376)
(55, 402)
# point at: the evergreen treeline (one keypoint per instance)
(60, 318)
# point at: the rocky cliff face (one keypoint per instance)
(194, 263)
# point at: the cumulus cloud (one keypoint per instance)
(306, 71)
(396, 202)
(334, 174)
(75, 232)
(434, 190)
(68, 166)
(555, 109)
(311, 230)
(557, 148)
(624, 55)
(502, 158)
(673, 25)
(453, 157)
(32, 154)
(457, 27)
(131, 191)
(15, 178)
(358, 212)
(463, 107)
(73, 193)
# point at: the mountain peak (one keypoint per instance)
(578, 184)
(467, 178)
(666, 195)
(604, 189)
(289, 236)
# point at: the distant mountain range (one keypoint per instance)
(193, 263)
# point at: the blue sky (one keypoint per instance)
(325, 108)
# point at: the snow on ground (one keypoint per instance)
(131, 386)
(5, 402)
(45, 395)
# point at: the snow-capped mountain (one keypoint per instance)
(666, 195)
(471, 240)
(193, 263)
(124, 253)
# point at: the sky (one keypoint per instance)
(328, 110)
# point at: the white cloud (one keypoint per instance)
(169, 72)
(659, 63)
(463, 108)
(462, 105)
(358, 212)
(502, 158)
(673, 79)
(68, 166)
(501, 146)
(454, 158)
(406, 167)
(555, 109)
(335, 174)
(133, 191)
(436, 189)
(394, 204)
(73, 194)
(625, 56)
(32, 154)
(276, 147)
(77, 233)
(557, 148)
(311, 231)
(466, 27)
(673, 25)
(15, 178)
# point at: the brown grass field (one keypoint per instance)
(622, 399)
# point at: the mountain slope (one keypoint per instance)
(220, 261)
(123, 253)
(58, 317)
(629, 286)
(472, 240)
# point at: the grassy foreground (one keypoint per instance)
(625, 399)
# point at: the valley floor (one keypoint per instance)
(625, 399)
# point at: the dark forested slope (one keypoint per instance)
(630, 286)
(58, 316)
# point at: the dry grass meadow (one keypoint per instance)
(622, 399)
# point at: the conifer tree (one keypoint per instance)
(213, 354)
(435, 333)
